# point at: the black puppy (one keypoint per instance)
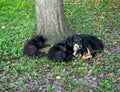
(32, 46)
(91, 46)
(65, 50)
(60, 52)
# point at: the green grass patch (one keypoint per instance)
(17, 24)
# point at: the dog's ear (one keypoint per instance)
(70, 41)
(81, 39)
(85, 41)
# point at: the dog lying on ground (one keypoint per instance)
(91, 46)
(32, 46)
(59, 52)
(63, 51)
(84, 45)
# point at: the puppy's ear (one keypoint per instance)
(70, 41)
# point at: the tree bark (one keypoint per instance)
(50, 21)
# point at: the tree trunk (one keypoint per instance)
(50, 21)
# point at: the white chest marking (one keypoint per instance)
(75, 49)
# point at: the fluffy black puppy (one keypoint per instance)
(60, 52)
(91, 46)
(32, 46)
(65, 50)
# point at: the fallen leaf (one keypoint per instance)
(106, 51)
(118, 78)
(115, 21)
(104, 13)
(96, 23)
(102, 17)
(90, 72)
(96, 63)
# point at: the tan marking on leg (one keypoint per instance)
(88, 55)
(88, 51)
(78, 55)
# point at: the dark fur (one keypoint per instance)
(60, 52)
(92, 43)
(63, 51)
(32, 46)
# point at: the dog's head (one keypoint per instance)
(75, 42)
(39, 40)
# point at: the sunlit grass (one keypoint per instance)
(17, 24)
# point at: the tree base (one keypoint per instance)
(50, 21)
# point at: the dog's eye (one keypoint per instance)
(76, 41)
(80, 39)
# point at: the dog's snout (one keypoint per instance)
(80, 46)
(76, 46)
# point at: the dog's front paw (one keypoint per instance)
(86, 56)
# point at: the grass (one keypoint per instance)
(17, 24)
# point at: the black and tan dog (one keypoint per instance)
(91, 45)
(66, 49)
(84, 45)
